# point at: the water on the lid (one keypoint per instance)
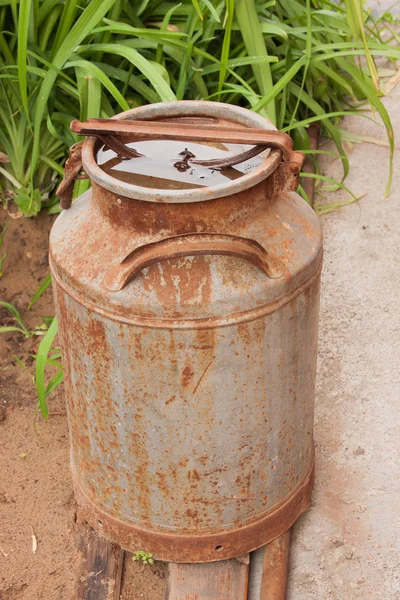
(160, 164)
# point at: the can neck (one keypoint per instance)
(173, 219)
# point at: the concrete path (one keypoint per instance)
(347, 545)
(378, 7)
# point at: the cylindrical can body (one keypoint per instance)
(190, 392)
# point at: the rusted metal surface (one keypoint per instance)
(223, 580)
(113, 133)
(190, 390)
(157, 130)
(275, 568)
(190, 113)
(73, 172)
(196, 547)
(220, 163)
(192, 244)
(119, 148)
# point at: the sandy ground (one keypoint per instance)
(346, 546)
(36, 496)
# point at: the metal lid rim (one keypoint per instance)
(221, 110)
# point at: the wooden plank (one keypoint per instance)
(269, 570)
(99, 573)
(275, 568)
(223, 580)
(255, 573)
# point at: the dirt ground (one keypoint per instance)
(36, 496)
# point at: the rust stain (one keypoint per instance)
(202, 376)
(187, 376)
(193, 475)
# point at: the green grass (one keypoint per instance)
(47, 356)
(295, 62)
(19, 325)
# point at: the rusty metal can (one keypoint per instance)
(188, 327)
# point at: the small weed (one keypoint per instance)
(144, 557)
(42, 288)
(21, 363)
(20, 327)
(47, 355)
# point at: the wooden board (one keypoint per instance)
(223, 580)
(269, 570)
(100, 569)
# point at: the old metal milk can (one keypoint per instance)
(188, 328)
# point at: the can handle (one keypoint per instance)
(191, 244)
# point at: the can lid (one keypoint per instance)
(196, 120)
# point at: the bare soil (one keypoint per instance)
(37, 504)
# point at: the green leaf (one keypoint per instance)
(92, 14)
(337, 184)
(11, 328)
(361, 82)
(274, 30)
(212, 10)
(24, 19)
(253, 37)
(42, 288)
(43, 351)
(94, 71)
(197, 8)
(64, 27)
(230, 8)
(54, 382)
(17, 317)
(29, 203)
(278, 87)
(133, 56)
(317, 109)
(354, 12)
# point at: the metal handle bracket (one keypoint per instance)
(191, 244)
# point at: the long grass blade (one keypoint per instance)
(41, 358)
(280, 85)
(16, 315)
(83, 26)
(226, 44)
(24, 18)
(42, 288)
(354, 11)
(162, 88)
(253, 37)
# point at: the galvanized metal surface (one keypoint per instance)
(190, 391)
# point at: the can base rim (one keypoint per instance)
(189, 548)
